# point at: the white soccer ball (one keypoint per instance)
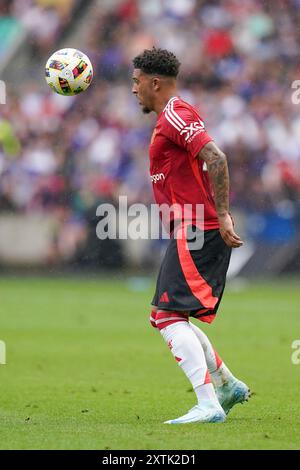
(69, 71)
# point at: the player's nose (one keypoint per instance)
(134, 89)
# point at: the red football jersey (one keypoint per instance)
(178, 176)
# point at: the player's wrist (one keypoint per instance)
(222, 214)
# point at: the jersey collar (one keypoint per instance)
(169, 102)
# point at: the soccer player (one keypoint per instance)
(187, 169)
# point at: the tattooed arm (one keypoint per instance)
(216, 163)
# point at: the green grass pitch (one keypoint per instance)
(85, 370)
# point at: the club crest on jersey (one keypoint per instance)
(191, 130)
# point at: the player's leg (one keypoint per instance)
(219, 373)
(188, 352)
(212, 263)
(229, 389)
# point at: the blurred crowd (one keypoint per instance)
(41, 20)
(239, 59)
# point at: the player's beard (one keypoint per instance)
(146, 110)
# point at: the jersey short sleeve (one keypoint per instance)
(184, 127)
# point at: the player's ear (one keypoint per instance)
(156, 83)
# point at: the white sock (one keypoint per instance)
(206, 392)
(189, 354)
(219, 372)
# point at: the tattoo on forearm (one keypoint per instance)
(218, 174)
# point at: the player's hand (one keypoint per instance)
(227, 232)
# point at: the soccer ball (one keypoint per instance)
(69, 72)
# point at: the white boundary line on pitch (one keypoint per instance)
(2, 352)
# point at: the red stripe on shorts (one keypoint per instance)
(199, 287)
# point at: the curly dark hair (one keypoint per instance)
(157, 61)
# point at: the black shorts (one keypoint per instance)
(192, 280)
